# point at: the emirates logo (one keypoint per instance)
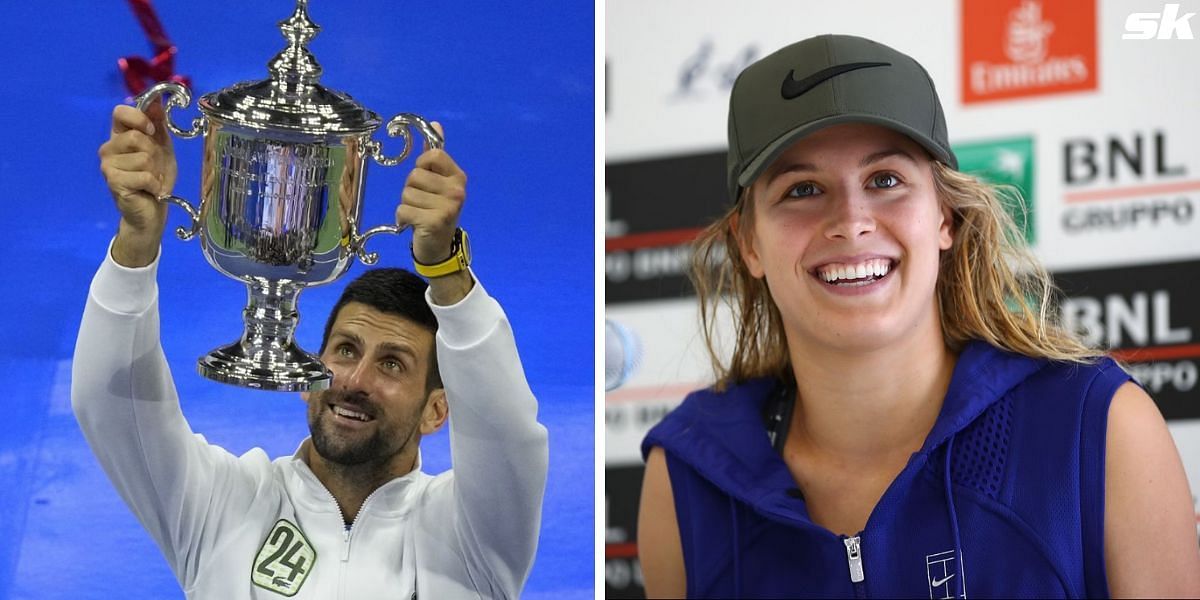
(1028, 34)
(1014, 48)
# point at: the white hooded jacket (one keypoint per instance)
(248, 527)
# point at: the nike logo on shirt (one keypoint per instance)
(940, 582)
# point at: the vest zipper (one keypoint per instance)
(854, 559)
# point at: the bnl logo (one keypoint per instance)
(1163, 26)
(941, 570)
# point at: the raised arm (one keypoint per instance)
(499, 450)
(122, 392)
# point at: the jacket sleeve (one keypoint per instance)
(177, 485)
(498, 449)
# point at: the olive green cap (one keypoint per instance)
(823, 81)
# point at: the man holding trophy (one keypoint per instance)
(350, 514)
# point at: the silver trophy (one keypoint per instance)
(280, 196)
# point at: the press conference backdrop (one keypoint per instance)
(1098, 131)
(514, 87)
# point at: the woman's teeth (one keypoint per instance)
(857, 274)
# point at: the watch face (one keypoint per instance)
(466, 246)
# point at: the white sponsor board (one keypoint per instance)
(674, 362)
(669, 66)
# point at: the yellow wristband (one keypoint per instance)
(459, 260)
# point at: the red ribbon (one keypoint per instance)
(141, 73)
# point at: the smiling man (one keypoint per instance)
(350, 514)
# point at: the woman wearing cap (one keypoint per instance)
(900, 416)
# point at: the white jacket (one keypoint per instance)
(236, 527)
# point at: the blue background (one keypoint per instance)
(512, 83)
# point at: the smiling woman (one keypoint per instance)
(900, 414)
(842, 200)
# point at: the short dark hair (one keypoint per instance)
(395, 292)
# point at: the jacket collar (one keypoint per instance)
(307, 488)
(722, 434)
(982, 376)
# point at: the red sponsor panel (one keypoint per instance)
(1020, 48)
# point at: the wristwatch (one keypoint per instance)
(460, 258)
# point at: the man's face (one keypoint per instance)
(378, 403)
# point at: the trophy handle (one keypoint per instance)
(358, 242)
(178, 96)
(184, 233)
(401, 126)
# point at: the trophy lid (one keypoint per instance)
(291, 99)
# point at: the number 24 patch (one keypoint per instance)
(284, 561)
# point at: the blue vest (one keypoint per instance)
(1005, 498)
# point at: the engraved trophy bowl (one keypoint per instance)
(281, 191)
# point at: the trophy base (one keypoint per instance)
(287, 369)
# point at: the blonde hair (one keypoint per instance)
(990, 287)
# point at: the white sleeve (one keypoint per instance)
(178, 486)
(499, 450)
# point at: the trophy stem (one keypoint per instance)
(267, 356)
(270, 316)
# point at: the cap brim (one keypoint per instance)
(783, 142)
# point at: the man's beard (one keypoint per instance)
(349, 449)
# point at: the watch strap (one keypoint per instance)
(459, 259)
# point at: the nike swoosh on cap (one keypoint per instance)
(794, 89)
